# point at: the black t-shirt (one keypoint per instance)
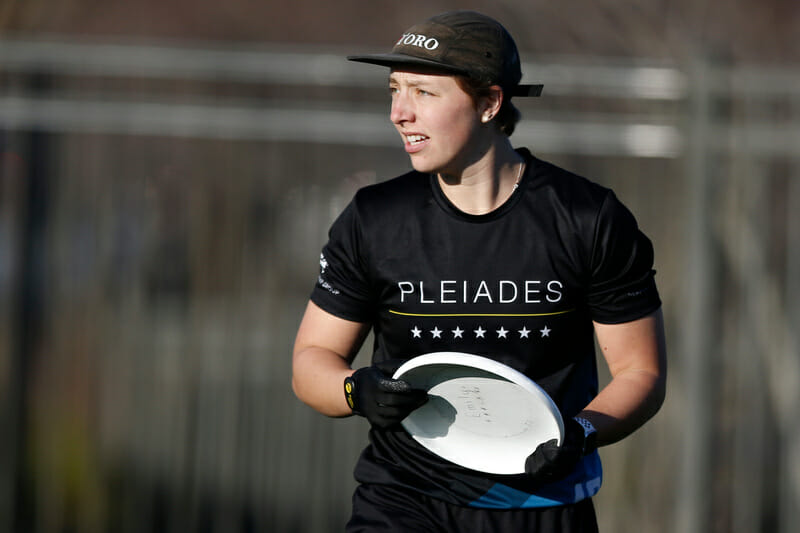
(520, 285)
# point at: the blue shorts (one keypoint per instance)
(383, 508)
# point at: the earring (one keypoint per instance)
(487, 117)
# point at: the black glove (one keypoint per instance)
(550, 462)
(372, 393)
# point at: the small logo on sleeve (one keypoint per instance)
(323, 267)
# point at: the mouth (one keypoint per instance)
(414, 141)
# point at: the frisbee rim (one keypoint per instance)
(540, 400)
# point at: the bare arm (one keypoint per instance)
(636, 356)
(324, 348)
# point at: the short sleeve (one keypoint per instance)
(622, 286)
(343, 287)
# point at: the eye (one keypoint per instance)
(423, 92)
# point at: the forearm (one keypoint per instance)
(629, 400)
(637, 359)
(317, 379)
(323, 350)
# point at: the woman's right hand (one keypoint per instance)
(372, 393)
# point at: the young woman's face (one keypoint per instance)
(439, 122)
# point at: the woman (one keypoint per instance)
(487, 250)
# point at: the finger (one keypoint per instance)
(391, 415)
(397, 386)
(410, 399)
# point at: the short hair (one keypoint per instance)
(507, 117)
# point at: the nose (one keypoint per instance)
(402, 109)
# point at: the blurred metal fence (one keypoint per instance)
(161, 211)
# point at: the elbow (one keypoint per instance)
(658, 394)
(300, 393)
(297, 374)
(300, 385)
(296, 388)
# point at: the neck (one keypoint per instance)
(487, 184)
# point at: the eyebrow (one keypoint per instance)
(412, 83)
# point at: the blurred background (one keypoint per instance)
(168, 174)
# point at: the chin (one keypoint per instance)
(425, 169)
(425, 166)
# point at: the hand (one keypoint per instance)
(550, 462)
(383, 401)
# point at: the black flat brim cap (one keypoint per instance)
(402, 60)
(462, 43)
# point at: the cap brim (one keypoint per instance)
(527, 90)
(395, 60)
(398, 60)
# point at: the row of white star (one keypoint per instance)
(480, 333)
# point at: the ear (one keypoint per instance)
(489, 105)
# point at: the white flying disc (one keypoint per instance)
(480, 414)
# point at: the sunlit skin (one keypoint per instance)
(440, 126)
(446, 133)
